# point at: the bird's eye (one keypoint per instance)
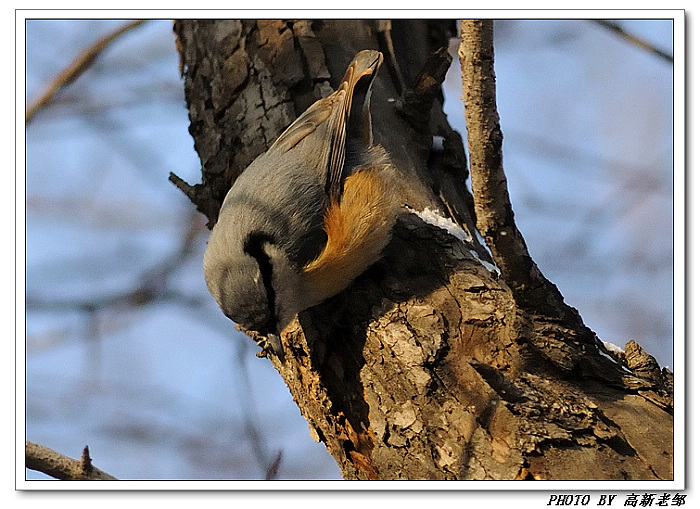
(254, 247)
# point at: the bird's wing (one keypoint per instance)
(323, 126)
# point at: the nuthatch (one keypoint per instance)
(309, 215)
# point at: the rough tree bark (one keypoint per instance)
(434, 364)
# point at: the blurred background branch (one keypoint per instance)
(637, 41)
(77, 67)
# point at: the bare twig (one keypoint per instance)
(417, 101)
(637, 41)
(200, 195)
(54, 464)
(495, 218)
(274, 466)
(77, 67)
(152, 284)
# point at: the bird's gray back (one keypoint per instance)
(284, 203)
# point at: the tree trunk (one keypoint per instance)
(434, 364)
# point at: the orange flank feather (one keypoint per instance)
(358, 228)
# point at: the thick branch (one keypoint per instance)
(495, 219)
(54, 464)
(558, 330)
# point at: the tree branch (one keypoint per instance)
(417, 101)
(494, 212)
(54, 464)
(495, 219)
(559, 331)
(637, 41)
(77, 67)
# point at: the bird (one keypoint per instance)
(307, 216)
